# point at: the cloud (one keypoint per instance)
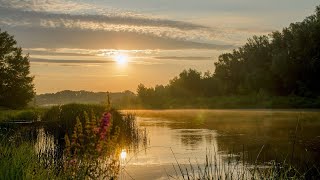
(63, 61)
(116, 22)
(48, 5)
(54, 52)
(198, 58)
(88, 52)
(70, 20)
(65, 16)
(31, 37)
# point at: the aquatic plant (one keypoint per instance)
(92, 149)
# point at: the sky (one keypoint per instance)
(114, 45)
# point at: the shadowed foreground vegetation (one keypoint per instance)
(234, 168)
(28, 115)
(70, 142)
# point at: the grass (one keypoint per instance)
(21, 115)
(62, 119)
(234, 168)
(19, 159)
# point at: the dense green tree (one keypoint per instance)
(283, 63)
(188, 83)
(16, 84)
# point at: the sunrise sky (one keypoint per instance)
(113, 45)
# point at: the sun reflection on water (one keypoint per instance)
(123, 154)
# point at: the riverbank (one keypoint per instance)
(228, 102)
(21, 115)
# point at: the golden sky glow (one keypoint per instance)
(115, 45)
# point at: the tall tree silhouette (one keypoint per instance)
(16, 84)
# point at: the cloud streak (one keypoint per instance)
(62, 19)
(27, 14)
(63, 61)
(191, 58)
(34, 37)
(14, 17)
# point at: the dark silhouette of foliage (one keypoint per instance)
(282, 64)
(119, 99)
(16, 84)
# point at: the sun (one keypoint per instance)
(123, 154)
(121, 59)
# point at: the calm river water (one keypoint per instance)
(182, 139)
(239, 137)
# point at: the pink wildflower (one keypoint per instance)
(105, 124)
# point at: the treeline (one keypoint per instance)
(119, 99)
(281, 69)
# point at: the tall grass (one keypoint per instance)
(232, 167)
(20, 157)
(62, 119)
(19, 160)
(21, 115)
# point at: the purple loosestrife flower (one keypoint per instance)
(105, 124)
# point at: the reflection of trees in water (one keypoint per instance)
(209, 138)
(274, 149)
(196, 139)
(190, 140)
(249, 130)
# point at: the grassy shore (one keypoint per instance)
(229, 102)
(30, 114)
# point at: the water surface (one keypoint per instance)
(185, 137)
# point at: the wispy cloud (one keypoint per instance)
(88, 62)
(192, 58)
(62, 15)
(63, 61)
(49, 5)
(33, 37)
(33, 14)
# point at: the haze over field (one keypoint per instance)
(115, 45)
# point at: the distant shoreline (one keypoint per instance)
(202, 109)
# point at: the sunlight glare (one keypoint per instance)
(121, 59)
(123, 154)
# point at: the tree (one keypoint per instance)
(188, 83)
(16, 84)
(283, 63)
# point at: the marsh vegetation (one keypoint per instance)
(75, 140)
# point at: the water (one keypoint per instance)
(240, 137)
(232, 138)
